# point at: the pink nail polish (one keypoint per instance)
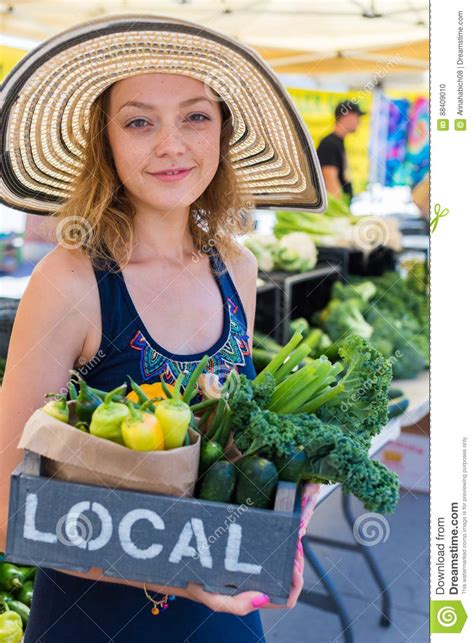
(300, 547)
(258, 601)
(302, 523)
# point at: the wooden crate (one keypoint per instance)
(227, 548)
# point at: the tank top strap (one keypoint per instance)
(114, 315)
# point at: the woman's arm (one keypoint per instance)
(47, 337)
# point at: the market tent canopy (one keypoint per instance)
(400, 58)
(294, 36)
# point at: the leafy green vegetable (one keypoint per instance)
(337, 436)
(361, 408)
(333, 456)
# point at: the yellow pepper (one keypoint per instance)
(174, 417)
(57, 407)
(150, 390)
(141, 430)
(11, 626)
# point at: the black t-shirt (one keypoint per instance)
(331, 152)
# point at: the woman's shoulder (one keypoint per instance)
(67, 267)
(243, 266)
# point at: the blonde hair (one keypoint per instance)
(101, 213)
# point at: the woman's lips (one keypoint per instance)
(173, 177)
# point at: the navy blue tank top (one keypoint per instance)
(127, 348)
(62, 603)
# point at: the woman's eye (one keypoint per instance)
(136, 120)
(203, 116)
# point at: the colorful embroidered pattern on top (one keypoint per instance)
(232, 354)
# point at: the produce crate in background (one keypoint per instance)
(152, 537)
(267, 317)
(303, 294)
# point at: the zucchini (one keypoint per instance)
(257, 480)
(290, 467)
(219, 482)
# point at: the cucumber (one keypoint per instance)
(397, 408)
(219, 482)
(393, 393)
(290, 467)
(257, 480)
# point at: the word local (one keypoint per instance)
(193, 528)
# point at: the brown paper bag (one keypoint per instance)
(77, 456)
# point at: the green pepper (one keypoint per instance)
(190, 390)
(6, 596)
(11, 627)
(25, 594)
(107, 419)
(86, 403)
(11, 578)
(174, 417)
(58, 407)
(28, 571)
(72, 391)
(21, 609)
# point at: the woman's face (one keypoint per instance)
(160, 122)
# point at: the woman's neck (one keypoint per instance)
(164, 235)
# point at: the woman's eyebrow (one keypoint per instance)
(189, 101)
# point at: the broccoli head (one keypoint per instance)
(341, 318)
(365, 290)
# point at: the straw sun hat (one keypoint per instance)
(46, 101)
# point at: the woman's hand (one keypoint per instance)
(309, 499)
(245, 602)
(240, 604)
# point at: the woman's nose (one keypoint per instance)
(169, 139)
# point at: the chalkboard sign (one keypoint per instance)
(227, 548)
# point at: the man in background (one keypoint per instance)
(332, 155)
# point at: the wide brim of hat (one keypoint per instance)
(46, 101)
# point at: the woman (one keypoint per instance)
(145, 280)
